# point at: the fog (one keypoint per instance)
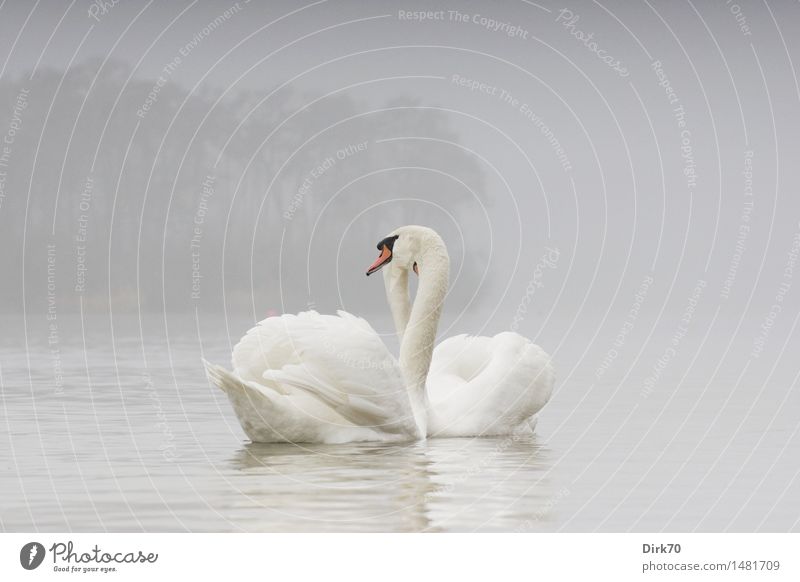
(617, 182)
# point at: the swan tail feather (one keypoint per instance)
(217, 375)
(234, 386)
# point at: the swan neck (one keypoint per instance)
(397, 295)
(419, 335)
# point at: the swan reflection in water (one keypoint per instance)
(497, 484)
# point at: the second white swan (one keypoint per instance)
(476, 385)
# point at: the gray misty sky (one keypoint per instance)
(617, 134)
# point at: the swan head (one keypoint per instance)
(406, 247)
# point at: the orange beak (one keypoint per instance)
(384, 258)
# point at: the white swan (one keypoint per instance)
(330, 379)
(476, 385)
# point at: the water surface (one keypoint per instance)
(134, 439)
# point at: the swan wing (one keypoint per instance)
(338, 360)
(487, 385)
(268, 416)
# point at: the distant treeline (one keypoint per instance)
(123, 191)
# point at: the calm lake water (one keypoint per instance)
(134, 439)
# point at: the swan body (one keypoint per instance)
(330, 379)
(486, 386)
(317, 378)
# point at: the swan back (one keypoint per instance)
(487, 385)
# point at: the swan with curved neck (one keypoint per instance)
(419, 249)
(473, 385)
(324, 378)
